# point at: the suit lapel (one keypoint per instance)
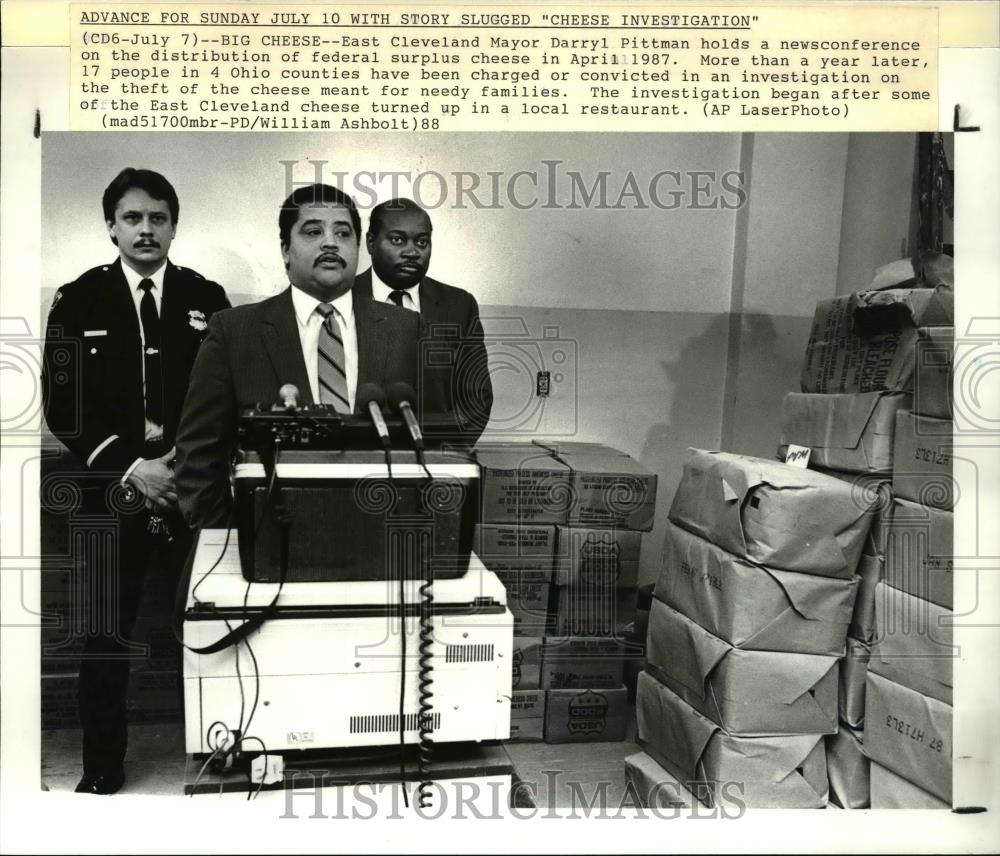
(280, 333)
(430, 300)
(372, 347)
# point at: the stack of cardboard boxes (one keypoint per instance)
(748, 622)
(561, 526)
(874, 410)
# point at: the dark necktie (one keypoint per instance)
(151, 353)
(330, 367)
(397, 297)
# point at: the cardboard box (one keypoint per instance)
(851, 432)
(870, 570)
(653, 786)
(597, 557)
(919, 551)
(853, 672)
(527, 730)
(922, 460)
(527, 663)
(866, 342)
(914, 645)
(848, 769)
(608, 487)
(749, 693)
(527, 715)
(891, 791)
(529, 603)
(509, 549)
(772, 772)
(778, 515)
(909, 733)
(585, 716)
(521, 483)
(751, 606)
(593, 610)
(932, 383)
(575, 662)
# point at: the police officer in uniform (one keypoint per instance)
(120, 343)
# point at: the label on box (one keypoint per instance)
(581, 663)
(529, 604)
(910, 734)
(597, 557)
(509, 547)
(577, 716)
(527, 704)
(590, 611)
(522, 483)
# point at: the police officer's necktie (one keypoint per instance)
(331, 372)
(151, 353)
(397, 296)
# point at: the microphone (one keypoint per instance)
(372, 398)
(289, 395)
(401, 394)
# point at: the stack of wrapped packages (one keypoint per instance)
(875, 411)
(561, 526)
(747, 627)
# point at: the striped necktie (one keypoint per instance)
(331, 373)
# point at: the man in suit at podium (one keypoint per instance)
(399, 242)
(120, 343)
(315, 334)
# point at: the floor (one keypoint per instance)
(564, 776)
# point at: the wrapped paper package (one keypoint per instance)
(853, 674)
(932, 387)
(764, 772)
(751, 606)
(914, 645)
(748, 693)
(909, 733)
(889, 790)
(654, 787)
(870, 570)
(848, 769)
(785, 517)
(922, 460)
(867, 342)
(919, 551)
(852, 432)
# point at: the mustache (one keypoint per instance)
(329, 257)
(146, 243)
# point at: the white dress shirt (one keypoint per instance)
(381, 292)
(310, 322)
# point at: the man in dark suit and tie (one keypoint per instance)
(399, 242)
(314, 334)
(120, 344)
